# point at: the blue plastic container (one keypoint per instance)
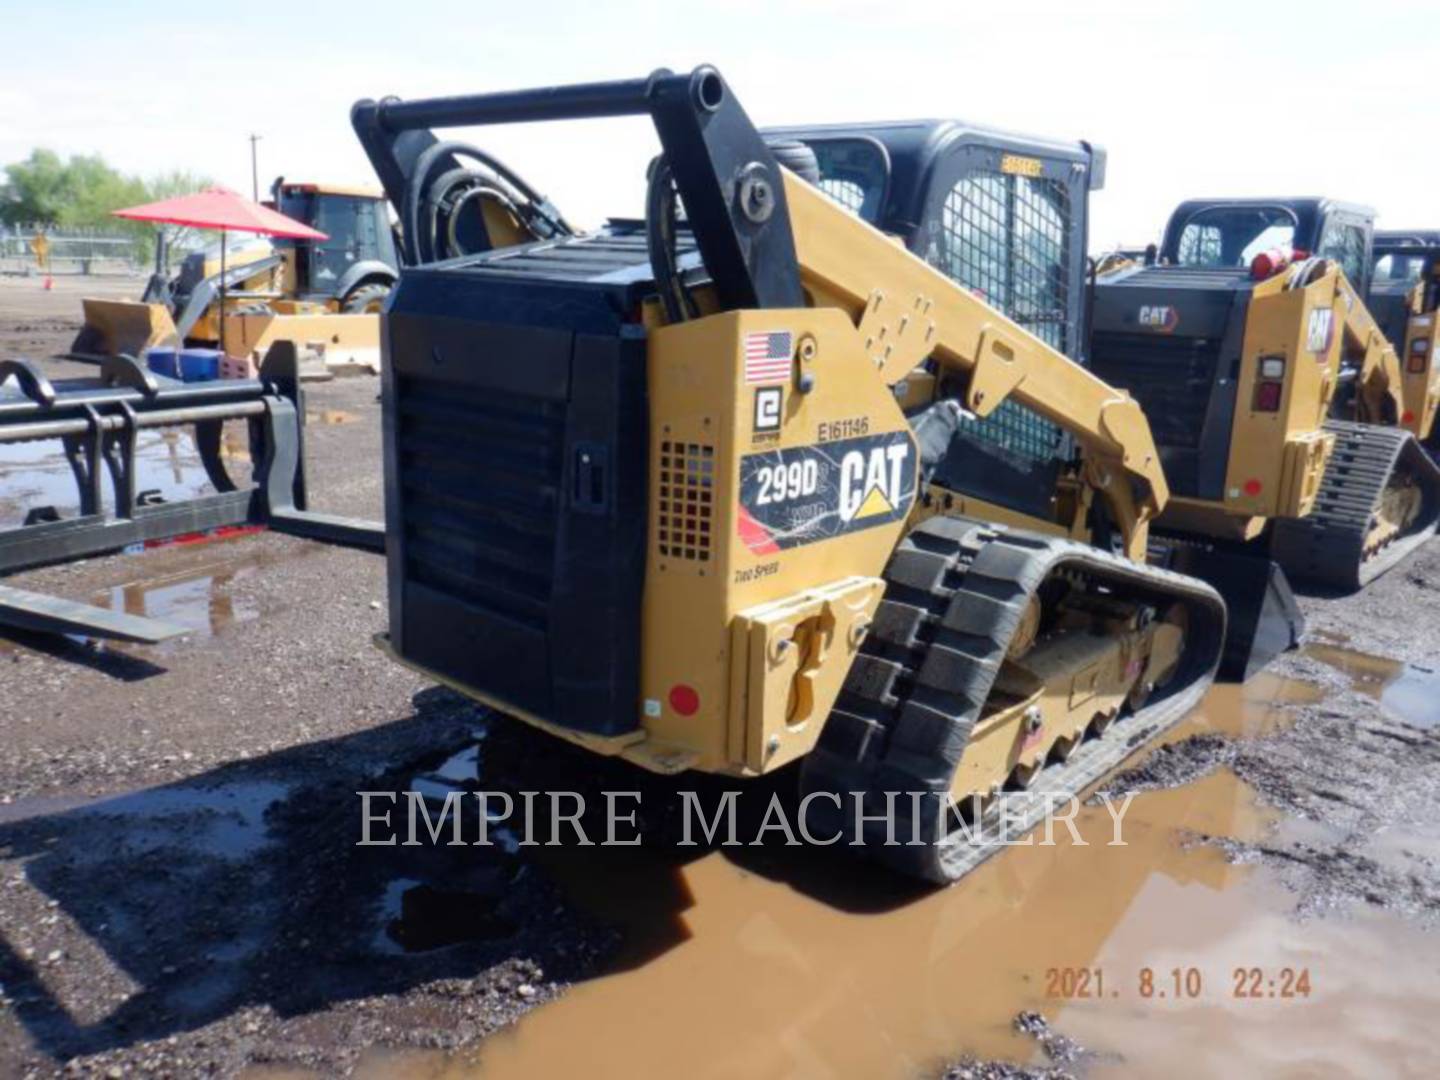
(199, 365)
(163, 362)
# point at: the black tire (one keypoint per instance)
(367, 299)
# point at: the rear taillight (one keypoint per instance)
(1270, 387)
(1419, 352)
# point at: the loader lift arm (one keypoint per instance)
(1379, 382)
(766, 237)
(906, 310)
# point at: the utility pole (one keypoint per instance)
(254, 169)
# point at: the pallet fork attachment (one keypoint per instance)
(98, 421)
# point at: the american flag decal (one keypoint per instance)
(767, 357)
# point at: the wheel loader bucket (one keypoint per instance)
(1265, 619)
(122, 328)
(331, 341)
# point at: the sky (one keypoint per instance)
(1188, 98)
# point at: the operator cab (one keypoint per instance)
(359, 248)
(1399, 257)
(1006, 216)
(1400, 261)
(1211, 234)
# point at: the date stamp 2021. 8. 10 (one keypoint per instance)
(1177, 984)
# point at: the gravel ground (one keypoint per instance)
(1066, 1059)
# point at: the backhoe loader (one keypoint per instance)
(693, 490)
(275, 289)
(1283, 418)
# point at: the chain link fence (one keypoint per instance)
(29, 250)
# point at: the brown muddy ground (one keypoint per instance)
(180, 892)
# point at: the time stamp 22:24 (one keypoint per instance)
(1176, 984)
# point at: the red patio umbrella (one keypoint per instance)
(220, 208)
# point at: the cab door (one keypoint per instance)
(1010, 226)
(349, 223)
(1346, 238)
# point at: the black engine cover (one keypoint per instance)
(515, 491)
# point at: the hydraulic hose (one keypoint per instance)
(425, 194)
(660, 244)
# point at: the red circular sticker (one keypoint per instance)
(685, 700)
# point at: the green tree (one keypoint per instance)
(94, 189)
(35, 189)
(82, 191)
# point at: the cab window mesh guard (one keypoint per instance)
(847, 193)
(853, 172)
(1005, 237)
(1200, 246)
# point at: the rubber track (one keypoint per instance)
(1327, 546)
(956, 590)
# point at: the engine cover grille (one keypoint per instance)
(516, 494)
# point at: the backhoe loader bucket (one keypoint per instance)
(122, 328)
(1265, 619)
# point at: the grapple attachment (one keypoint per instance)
(99, 424)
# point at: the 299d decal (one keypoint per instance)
(808, 493)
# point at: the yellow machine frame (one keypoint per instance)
(730, 620)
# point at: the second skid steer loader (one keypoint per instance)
(1278, 403)
(686, 491)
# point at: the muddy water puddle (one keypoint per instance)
(206, 587)
(1259, 707)
(202, 599)
(421, 917)
(221, 821)
(1408, 693)
(809, 966)
(788, 963)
